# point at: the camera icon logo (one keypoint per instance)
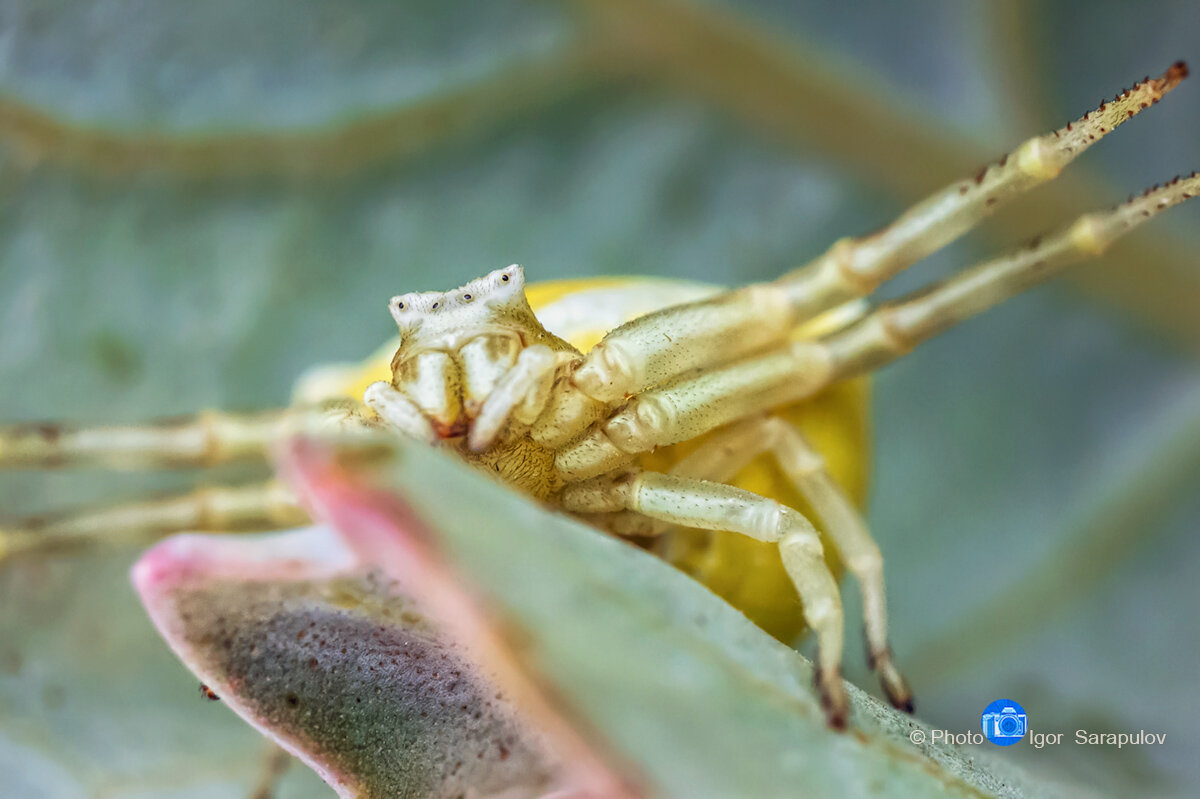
(1004, 722)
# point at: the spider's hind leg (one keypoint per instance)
(721, 457)
(849, 533)
(205, 439)
(714, 506)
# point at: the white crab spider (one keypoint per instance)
(476, 372)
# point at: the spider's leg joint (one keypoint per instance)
(841, 258)
(603, 494)
(1034, 160)
(645, 423)
(567, 413)
(609, 370)
(592, 455)
(639, 426)
(1088, 237)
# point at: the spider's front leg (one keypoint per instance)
(714, 506)
(689, 406)
(663, 345)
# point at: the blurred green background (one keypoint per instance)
(198, 201)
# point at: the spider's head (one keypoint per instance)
(446, 319)
(491, 314)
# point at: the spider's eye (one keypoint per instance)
(504, 278)
(467, 297)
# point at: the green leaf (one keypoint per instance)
(339, 666)
(651, 665)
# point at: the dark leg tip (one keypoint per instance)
(902, 703)
(834, 700)
(893, 682)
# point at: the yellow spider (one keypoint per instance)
(711, 425)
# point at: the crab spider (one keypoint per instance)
(477, 373)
